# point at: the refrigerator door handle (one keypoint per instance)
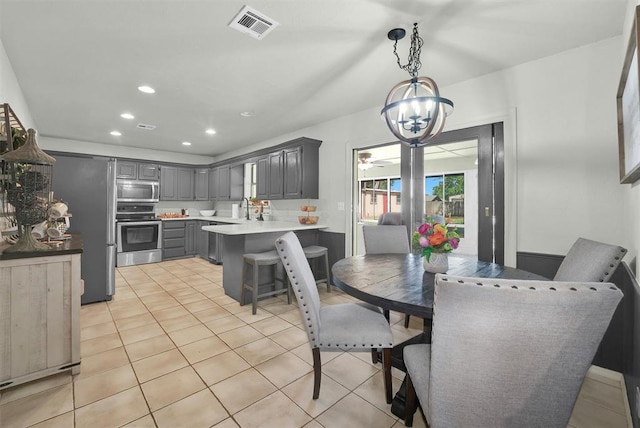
(111, 269)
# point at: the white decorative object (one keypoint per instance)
(438, 263)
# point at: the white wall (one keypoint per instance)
(10, 91)
(561, 156)
(560, 148)
(631, 204)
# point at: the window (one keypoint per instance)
(444, 197)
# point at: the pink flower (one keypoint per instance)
(454, 242)
(424, 228)
(423, 241)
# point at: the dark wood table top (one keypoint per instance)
(398, 282)
(67, 246)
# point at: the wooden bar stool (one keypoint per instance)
(314, 252)
(255, 261)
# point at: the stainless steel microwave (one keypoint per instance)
(137, 191)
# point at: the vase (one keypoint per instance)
(438, 263)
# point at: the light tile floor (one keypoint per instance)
(171, 350)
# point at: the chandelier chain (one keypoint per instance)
(413, 61)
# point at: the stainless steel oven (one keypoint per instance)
(138, 235)
(137, 191)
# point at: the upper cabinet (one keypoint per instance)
(176, 184)
(226, 182)
(137, 171)
(201, 184)
(289, 173)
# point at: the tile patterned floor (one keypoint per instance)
(171, 350)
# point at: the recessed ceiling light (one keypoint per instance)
(186, 143)
(210, 131)
(146, 89)
(246, 114)
(115, 133)
(127, 116)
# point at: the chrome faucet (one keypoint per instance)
(248, 217)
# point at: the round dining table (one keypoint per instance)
(398, 282)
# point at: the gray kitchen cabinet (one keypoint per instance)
(137, 170)
(185, 184)
(223, 183)
(190, 239)
(168, 183)
(173, 239)
(236, 182)
(148, 171)
(275, 175)
(292, 177)
(179, 238)
(289, 173)
(213, 184)
(202, 238)
(176, 184)
(201, 184)
(127, 170)
(262, 177)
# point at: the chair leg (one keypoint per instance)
(243, 282)
(328, 272)
(255, 289)
(317, 372)
(374, 355)
(410, 403)
(386, 364)
(406, 320)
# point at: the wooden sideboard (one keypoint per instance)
(40, 314)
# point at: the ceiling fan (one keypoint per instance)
(366, 161)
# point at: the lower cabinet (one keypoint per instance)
(184, 238)
(173, 234)
(39, 317)
(202, 238)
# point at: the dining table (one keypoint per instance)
(398, 282)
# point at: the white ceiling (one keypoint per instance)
(79, 62)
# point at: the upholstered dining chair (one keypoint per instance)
(507, 353)
(340, 327)
(387, 237)
(590, 261)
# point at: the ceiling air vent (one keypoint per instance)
(146, 126)
(253, 23)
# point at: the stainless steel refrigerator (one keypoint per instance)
(87, 185)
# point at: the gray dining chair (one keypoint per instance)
(340, 327)
(590, 261)
(386, 238)
(507, 353)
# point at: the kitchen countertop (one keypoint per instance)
(248, 227)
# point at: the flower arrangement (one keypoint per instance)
(433, 237)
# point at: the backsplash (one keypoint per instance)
(281, 210)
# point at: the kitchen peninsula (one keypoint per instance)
(250, 236)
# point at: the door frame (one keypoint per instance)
(491, 185)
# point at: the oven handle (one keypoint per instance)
(139, 223)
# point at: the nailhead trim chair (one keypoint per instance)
(590, 261)
(507, 353)
(387, 237)
(347, 326)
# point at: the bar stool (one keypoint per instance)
(313, 252)
(255, 261)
